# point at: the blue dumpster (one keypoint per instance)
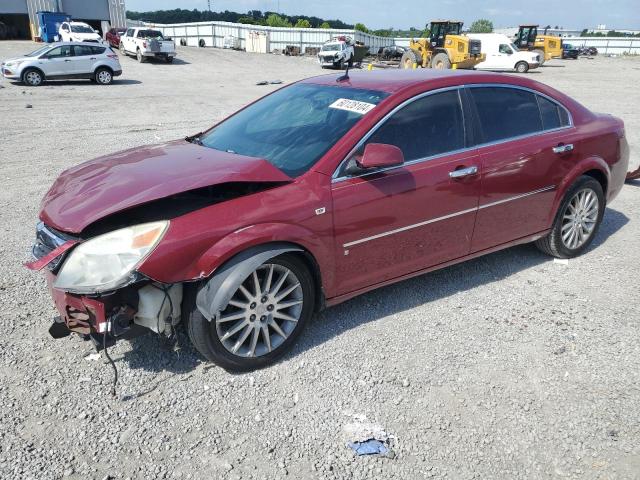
(49, 24)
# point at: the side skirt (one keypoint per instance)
(347, 296)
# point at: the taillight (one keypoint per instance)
(144, 44)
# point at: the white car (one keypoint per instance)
(337, 53)
(501, 54)
(78, 32)
(63, 61)
(147, 43)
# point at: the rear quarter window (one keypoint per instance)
(553, 115)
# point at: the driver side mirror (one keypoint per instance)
(376, 155)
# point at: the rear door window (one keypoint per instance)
(429, 126)
(82, 50)
(506, 112)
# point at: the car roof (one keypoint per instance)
(394, 80)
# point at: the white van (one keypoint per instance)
(502, 54)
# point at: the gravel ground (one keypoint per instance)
(509, 366)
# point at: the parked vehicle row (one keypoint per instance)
(316, 193)
(87, 59)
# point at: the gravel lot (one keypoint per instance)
(509, 366)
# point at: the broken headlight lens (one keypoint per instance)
(106, 262)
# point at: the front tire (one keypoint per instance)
(32, 77)
(577, 221)
(522, 67)
(265, 315)
(409, 58)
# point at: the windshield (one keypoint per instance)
(513, 47)
(293, 127)
(37, 52)
(150, 34)
(81, 29)
(331, 47)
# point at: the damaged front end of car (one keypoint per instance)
(96, 288)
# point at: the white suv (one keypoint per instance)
(78, 32)
(63, 61)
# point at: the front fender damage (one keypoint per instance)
(214, 296)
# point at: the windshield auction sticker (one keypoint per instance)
(352, 106)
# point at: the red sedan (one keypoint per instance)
(318, 192)
(113, 36)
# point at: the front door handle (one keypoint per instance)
(563, 148)
(463, 172)
(67, 60)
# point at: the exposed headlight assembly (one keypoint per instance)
(108, 261)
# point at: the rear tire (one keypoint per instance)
(212, 339)
(441, 62)
(141, 58)
(571, 215)
(32, 77)
(169, 59)
(103, 76)
(522, 67)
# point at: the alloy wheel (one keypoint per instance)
(104, 77)
(580, 218)
(262, 313)
(33, 78)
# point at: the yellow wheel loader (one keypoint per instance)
(446, 47)
(547, 46)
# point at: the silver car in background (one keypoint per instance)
(64, 61)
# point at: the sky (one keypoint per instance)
(375, 14)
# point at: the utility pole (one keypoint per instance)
(209, 3)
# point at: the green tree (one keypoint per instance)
(275, 20)
(302, 23)
(325, 25)
(361, 27)
(481, 25)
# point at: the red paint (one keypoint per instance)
(109, 184)
(47, 259)
(199, 242)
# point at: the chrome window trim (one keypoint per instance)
(336, 179)
(446, 217)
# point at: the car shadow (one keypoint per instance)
(150, 352)
(632, 183)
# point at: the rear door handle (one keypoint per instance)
(92, 58)
(67, 60)
(563, 148)
(463, 172)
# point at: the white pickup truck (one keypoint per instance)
(337, 53)
(146, 43)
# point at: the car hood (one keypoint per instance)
(16, 59)
(113, 183)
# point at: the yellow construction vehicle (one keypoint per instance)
(446, 47)
(547, 46)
